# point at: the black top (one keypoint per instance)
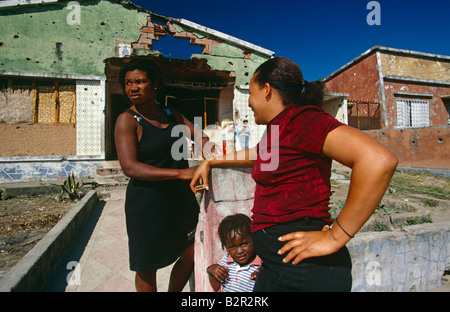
(161, 216)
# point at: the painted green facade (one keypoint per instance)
(53, 39)
(39, 39)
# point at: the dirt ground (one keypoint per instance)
(23, 222)
(439, 212)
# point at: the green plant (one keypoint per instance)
(335, 208)
(404, 183)
(72, 188)
(418, 220)
(429, 202)
(380, 227)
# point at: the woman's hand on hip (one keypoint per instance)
(303, 245)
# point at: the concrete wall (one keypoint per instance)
(361, 81)
(83, 43)
(417, 148)
(415, 67)
(383, 75)
(438, 114)
(414, 259)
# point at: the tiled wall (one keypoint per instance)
(90, 117)
(46, 170)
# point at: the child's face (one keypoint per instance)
(241, 249)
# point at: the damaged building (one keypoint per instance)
(59, 62)
(60, 98)
(402, 99)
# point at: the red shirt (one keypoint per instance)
(292, 175)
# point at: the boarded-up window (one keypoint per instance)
(37, 101)
(16, 104)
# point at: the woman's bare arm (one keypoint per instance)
(372, 169)
(126, 140)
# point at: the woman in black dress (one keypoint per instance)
(161, 211)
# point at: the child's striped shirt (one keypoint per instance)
(239, 277)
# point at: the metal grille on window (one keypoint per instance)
(412, 113)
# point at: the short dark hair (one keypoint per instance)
(286, 76)
(232, 225)
(150, 68)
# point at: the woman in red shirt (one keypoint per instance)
(292, 169)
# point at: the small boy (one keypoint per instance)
(237, 270)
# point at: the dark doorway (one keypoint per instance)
(195, 103)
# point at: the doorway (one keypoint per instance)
(199, 106)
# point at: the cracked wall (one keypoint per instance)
(415, 67)
(39, 39)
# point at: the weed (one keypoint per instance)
(429, 202)
(381, 227)
(411, 183)
(418, 220)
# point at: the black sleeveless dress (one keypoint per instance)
(161, 216)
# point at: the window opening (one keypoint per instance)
(363, 115)
(412, 113)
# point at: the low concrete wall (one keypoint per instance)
(413, 259)
(30, 273)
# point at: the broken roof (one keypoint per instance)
(209, 32)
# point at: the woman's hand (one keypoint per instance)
(302, 245)
(202, 173)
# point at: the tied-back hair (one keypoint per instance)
(151, 69)
(286, 77)
(232, 225)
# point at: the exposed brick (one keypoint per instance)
(148, 30)
(139, 46)
(146, 41)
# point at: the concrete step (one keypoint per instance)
(112, 183)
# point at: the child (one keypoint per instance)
(237, 270)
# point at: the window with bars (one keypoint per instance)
(413, 113)
(363, 115)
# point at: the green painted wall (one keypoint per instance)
(29, 37)
(244, 68)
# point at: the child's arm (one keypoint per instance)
(217, 274)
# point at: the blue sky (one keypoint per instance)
(320, 36)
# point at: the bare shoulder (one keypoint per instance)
(126, 121)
